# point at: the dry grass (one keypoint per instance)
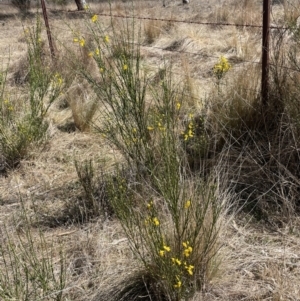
(257, 261)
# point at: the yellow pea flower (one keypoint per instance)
(155, 221)
(187, 204)
(94, 18)
(82, 42)
(166, 248)
(176, 260)
(178, 284)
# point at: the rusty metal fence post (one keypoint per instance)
(265, 52)
(51, 45)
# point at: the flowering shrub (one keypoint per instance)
(22, 121)
(170, 220)
(221, 68)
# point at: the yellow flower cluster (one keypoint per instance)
(178, 283)
(94, 53)
(189, 268)
(155, 221)
(58, 81)
(163, 251)
(150, 205)
(106, 39)
(159, 126)
(94, 18)
(179, 264)
(187, 249)
(189, 133)
(81, 41)
(221, 68)
(176, 260)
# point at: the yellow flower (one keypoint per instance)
(150, 128)
(155, 221)
(94, 18)
(91, 53)
(176, 260)
(106, 39)
(150, 204)
(166, 248)
(187, 252)
(178, 284)
(58, 79)
(161, 253)
(101, 70)
(187, 204)
(178, 105)
(221, 68)
(190, 269)
(75, 40)
(82, 42)
(97, 51)
(125, 67)
(185, 244)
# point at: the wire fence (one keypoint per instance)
(178, 21)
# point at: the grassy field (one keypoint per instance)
(140, 164)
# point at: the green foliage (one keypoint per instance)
(171, 220)
(174, 235)
(27, 268)
(22, 122)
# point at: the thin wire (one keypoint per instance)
(173, 50)
(179, 21)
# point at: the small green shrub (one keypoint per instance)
(23, 121)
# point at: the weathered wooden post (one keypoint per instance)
(51, 45)
(265, 52)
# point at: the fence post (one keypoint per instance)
(265, 52)
(51, 46)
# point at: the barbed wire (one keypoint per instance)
(174, 20)
(167, 49)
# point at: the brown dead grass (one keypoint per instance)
(256, 263)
